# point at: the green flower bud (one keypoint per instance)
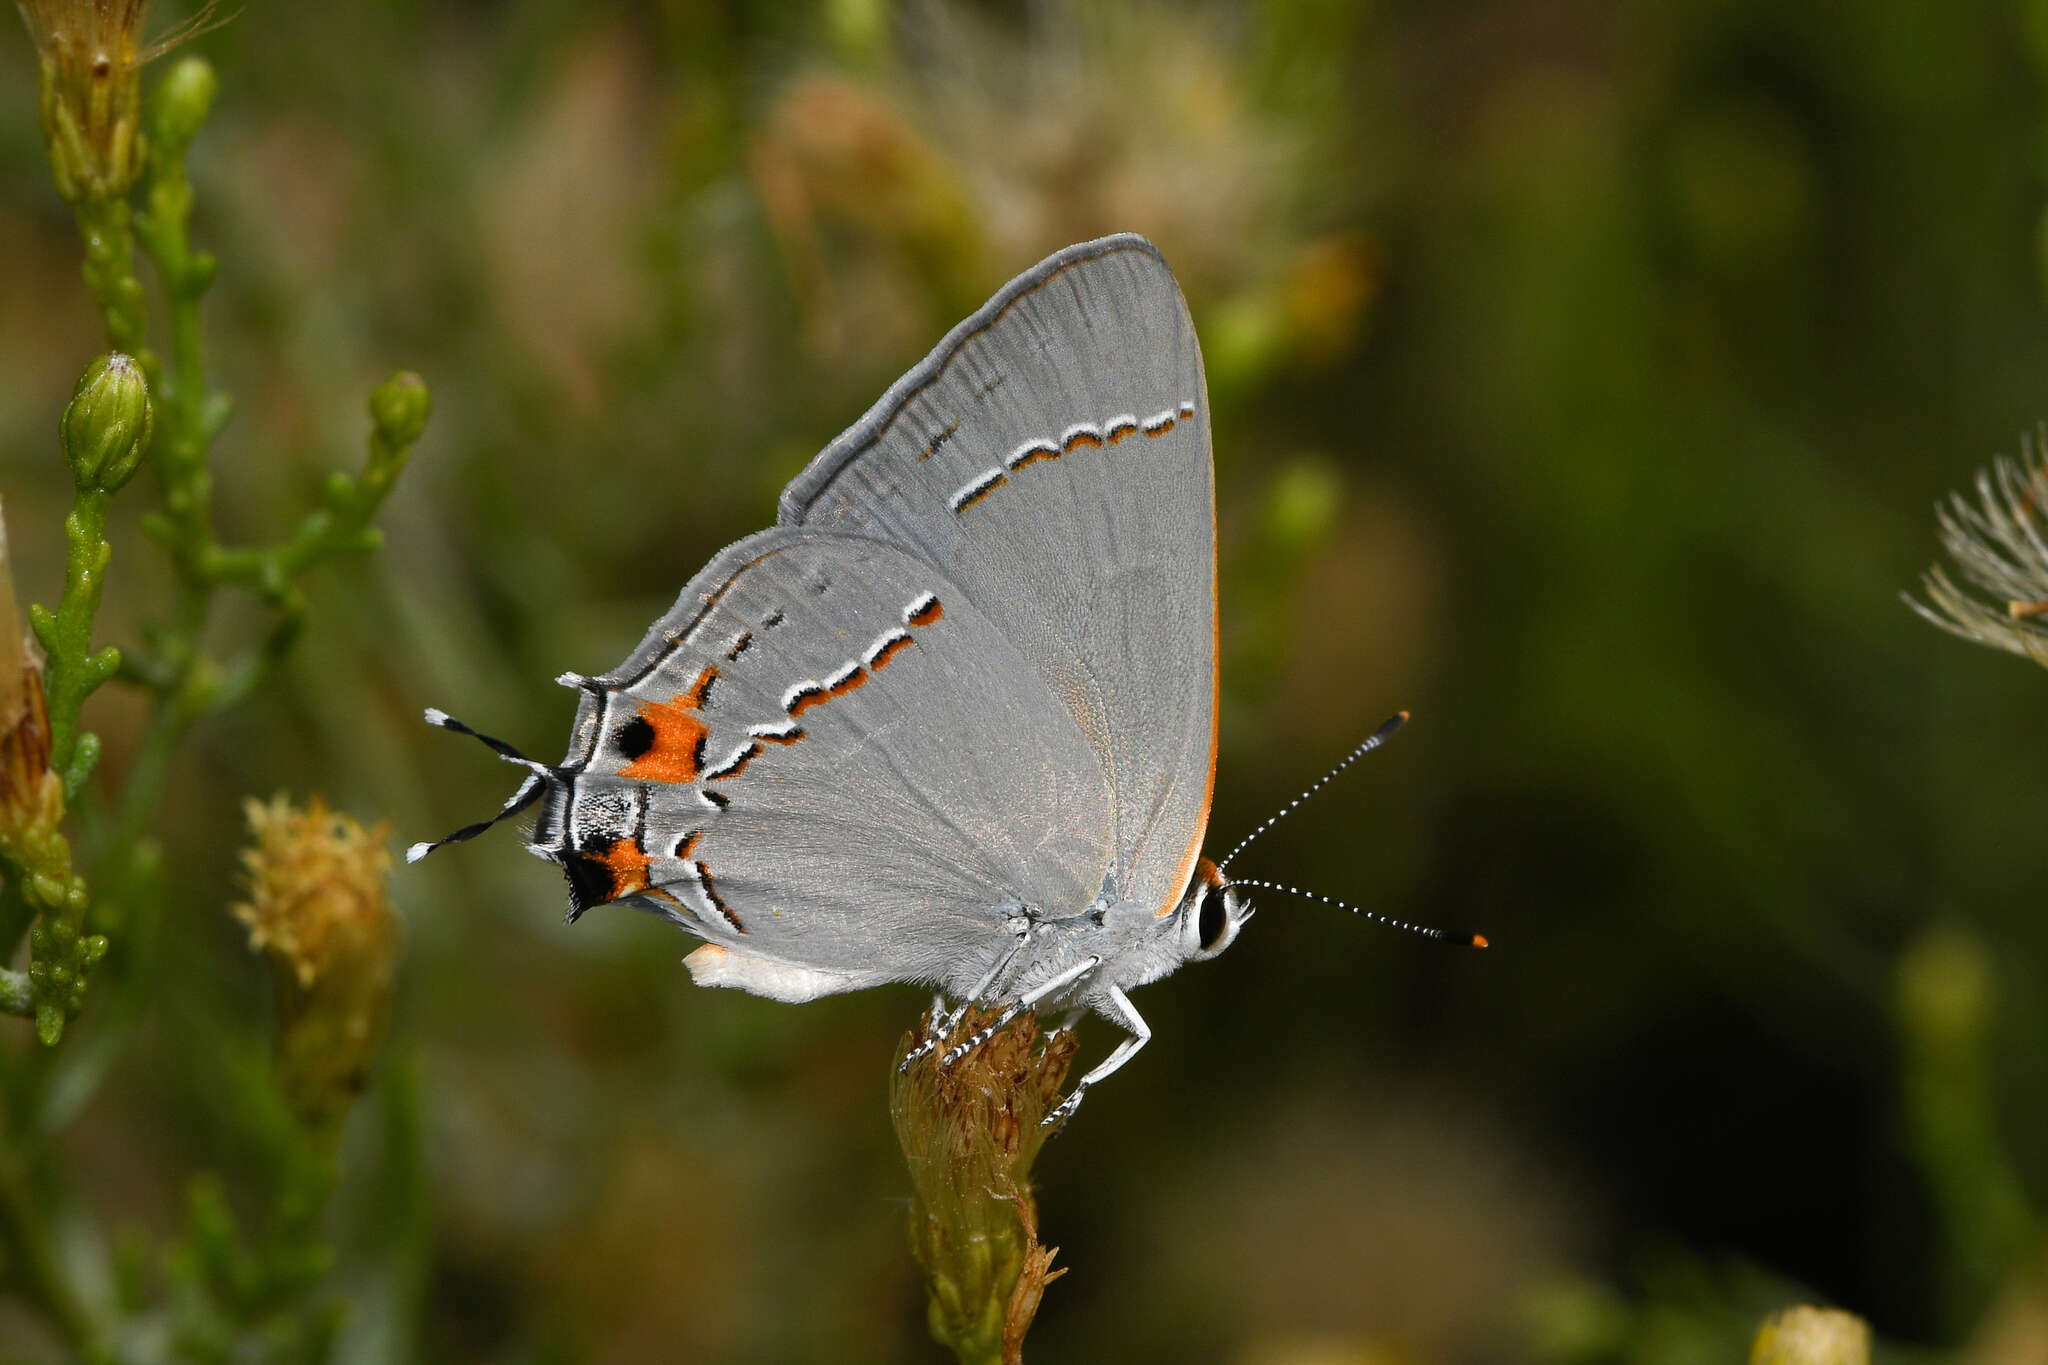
(106, 428)
(399, 407)
(182, 100)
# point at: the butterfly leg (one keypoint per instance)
(1024, 1002)
(944, 1021)
(1126, 1018)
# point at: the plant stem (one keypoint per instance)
(192, 416)
(74, 672)
(104, 226)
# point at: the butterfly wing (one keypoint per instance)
(826, 756)
(1052, 453)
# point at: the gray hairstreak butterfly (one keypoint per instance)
(952, 719)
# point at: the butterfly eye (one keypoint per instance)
(1215, 919)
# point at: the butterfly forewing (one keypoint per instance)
(1053, 454)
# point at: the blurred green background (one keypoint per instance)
(1584, 378)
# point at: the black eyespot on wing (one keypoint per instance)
(634, 738)
(1215, 919)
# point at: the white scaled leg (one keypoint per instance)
(945, 1021)
(1029, 999)
(1128, 1019)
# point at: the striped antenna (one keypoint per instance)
(1373, 741)
(1441, 935)
(538, 778)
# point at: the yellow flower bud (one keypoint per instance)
(317, 908)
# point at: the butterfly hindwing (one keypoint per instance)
(827, 755)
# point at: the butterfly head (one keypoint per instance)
(1209, 915)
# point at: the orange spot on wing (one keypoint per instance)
(929, 614)
(627, 865)
(1121, 430)
(807, 701)
(1083, 438)
(678, 747)
(888, 652)
(1161, 429)
(850, 683)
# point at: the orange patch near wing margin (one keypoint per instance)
(677, 753)
(627, 865)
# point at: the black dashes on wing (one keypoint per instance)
(885, 646)
(985, 483)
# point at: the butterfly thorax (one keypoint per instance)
(1135, 943)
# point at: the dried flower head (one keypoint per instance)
(969, 1134)
(317, 908)
(316, 885)
(92, 53)
(1998, 544)
(31, 796)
